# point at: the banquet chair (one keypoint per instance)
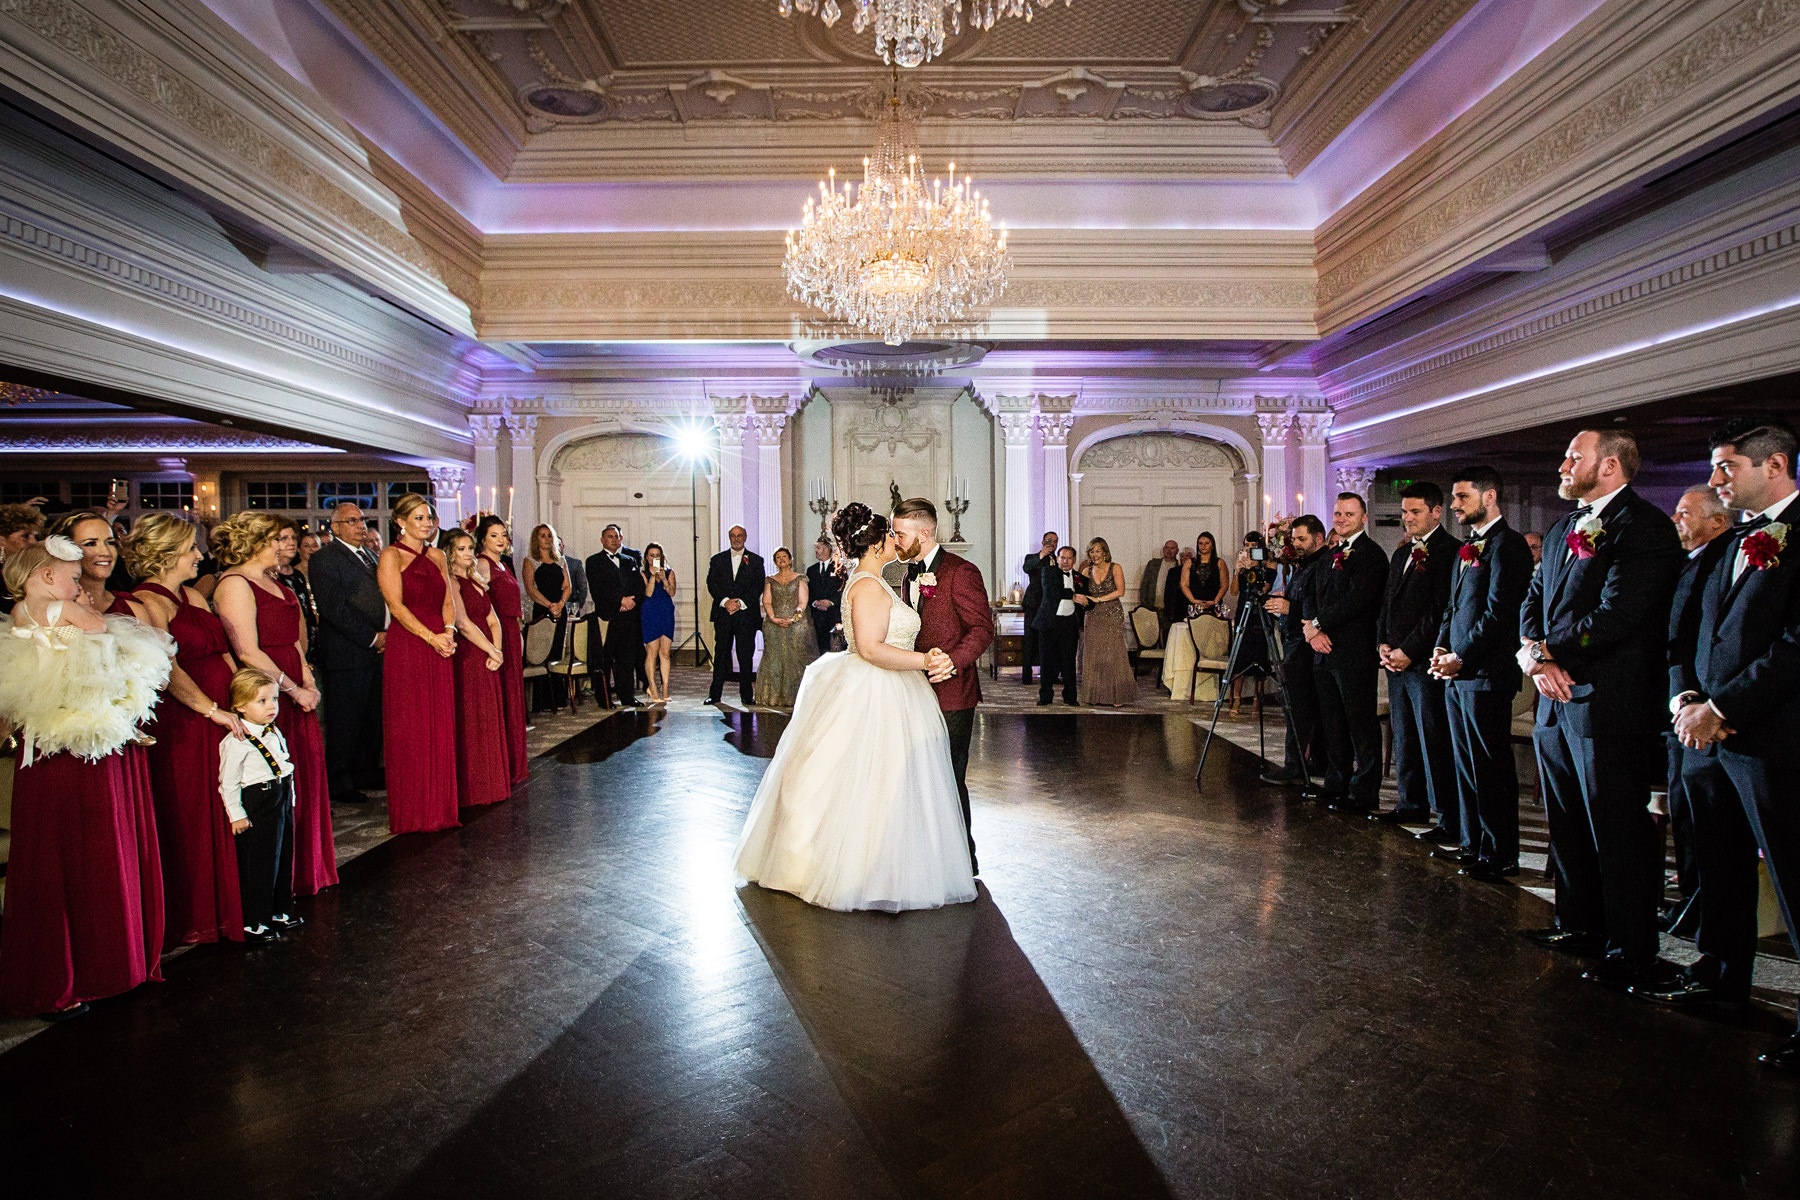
(1148, 627)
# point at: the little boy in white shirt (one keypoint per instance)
(256, 782)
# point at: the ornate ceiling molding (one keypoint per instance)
(1629, 102)
(137, 440)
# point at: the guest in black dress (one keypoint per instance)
(1255, 579)
(1203, 581)
(547, 581)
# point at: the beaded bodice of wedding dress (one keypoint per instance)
(903, 622)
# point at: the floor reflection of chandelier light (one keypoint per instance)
(910, 32)
(898, 255)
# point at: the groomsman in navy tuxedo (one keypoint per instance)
(1306, 536)
(1339, 614)
(1475, 656)
(1418, 588)
(1741, 697)
(1595, 643)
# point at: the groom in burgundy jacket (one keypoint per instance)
(954, 617)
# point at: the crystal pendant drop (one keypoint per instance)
(909, 52)
(830, 13)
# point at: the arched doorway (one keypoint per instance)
(1141, 489)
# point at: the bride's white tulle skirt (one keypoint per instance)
(859, 808)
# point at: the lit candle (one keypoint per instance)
(509, 503)
(459, 506)
(1266, 508)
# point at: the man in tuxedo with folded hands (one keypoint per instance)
(1476, 656)
(1418, 589)
(734, 580)
(1058, 622)
(1740, 697)
(616, 576)
(1339, 614)
(1594, 634)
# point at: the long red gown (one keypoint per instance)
(84, 893)
(199, 858)
(418, 708)
(482, 769)
(315, 852)
(505, 594)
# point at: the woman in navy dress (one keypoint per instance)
(658, 619)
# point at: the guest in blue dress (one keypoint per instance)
(658, 619)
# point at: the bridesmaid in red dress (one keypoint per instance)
(482, 775)
(199, 861)
(508, 599)
(418, 681)
(262, 619)
(84, 904)
(94, 536)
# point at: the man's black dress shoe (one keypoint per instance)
(1399, 816)
(1043, 701)
(1785, 1057)
(286, 921)
(1347, 805)
(1614, 972)
(262, 935)
(1277, 778)
(1565, 941)
(1686, 990)
(1489, 872)
(1457, 855)
(710, 700)
(1438, 836)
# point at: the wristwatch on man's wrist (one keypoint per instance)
(1539, 654)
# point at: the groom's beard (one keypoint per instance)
(908, 553)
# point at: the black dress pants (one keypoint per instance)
(1424, 760)
(1303, 706)
(1724, 845)
(961, 723)
(1352, 733)
(1606, 848)
(1681, 819)
(1487, 779)
(265, 851)
(822, 623)
(352, 721)
(735, 635)
(1056, 646)
(1032, 647)
(622, 657)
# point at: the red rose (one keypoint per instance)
(1419, 555)
(1762, 550)
(1470, 552)
(1581, 545)
(927, 590)
(1337, 559)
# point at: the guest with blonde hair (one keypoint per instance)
(256, 788)
(550, 586)
(418, 701)
(199, 862)
(482, 770)
(93, 535)
(1106, 676)
(262, 619)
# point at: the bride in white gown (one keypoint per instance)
(859, 807)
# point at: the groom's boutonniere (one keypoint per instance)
(1763, 548)
(1471, 551)
(1585, 537)
(927, 585)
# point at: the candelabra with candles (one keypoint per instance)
(956, 504)
(822, 504)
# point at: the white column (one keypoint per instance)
(1075, 512)
(1015, 430)
(522, 430)
(732, 427)
(769, 533)
(446, 486)
(1054, 428)
(484, 434)
(1251, 515)
(1275, 427)
(1315, 463)
(1357, 479)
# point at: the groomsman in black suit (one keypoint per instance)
(1058, 623)
(1741, 697)
(734, 580)
(1307, 536)
(824, 587)
(1595, 643)
(1476, 656)
(1701, 522)
(1418, 590)
(616, 576)
(1339, 614)
(1033, 567)
(352, 636)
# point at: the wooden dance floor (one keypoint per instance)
(1160, 992)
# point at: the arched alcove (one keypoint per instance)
(1140, 488)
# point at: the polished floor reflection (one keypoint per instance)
(1161, 991)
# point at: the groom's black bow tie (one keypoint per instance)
(1753, 524)
(1582, 511)
(915, 569)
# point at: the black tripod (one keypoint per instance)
(1271, 631)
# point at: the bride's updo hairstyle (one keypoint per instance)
(856, 528)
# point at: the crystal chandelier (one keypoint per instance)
(899, 255)
(910, 32)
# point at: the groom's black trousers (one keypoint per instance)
(961, 722)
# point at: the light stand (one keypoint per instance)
(702, 655)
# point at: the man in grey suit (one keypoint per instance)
(352, 635)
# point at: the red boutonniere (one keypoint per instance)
(1471, 552)
(1585, 537)
(1338, 558)
(1419, 554)
(927, 585)
(1763, 548)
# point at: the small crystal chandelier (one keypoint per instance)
(898, 255)
(911, 32)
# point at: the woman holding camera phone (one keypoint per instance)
(1255, 578)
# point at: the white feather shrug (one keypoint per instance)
(81, 693)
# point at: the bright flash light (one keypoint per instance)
(693, 443)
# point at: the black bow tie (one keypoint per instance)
(914, 569)
(1582, 511)
(1754, 523)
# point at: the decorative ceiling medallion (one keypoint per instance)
(1229, 101)
(866, 359)
(567, 103)
(911, 32)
